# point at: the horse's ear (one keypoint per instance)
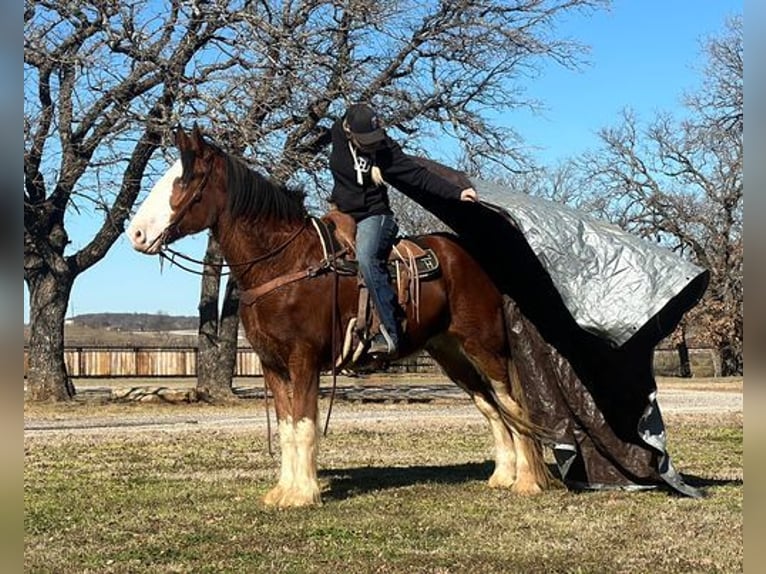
(182, 140)
(197, 137)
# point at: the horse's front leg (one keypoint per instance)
(305, 377)
(297, 414)
(283, 406)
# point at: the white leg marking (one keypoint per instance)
(287, 463)
(288, 447)
(505, 456)
(306, 443)
(526, 482)
(298, 484)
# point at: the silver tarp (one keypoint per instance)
(611, 282)
(585, 306)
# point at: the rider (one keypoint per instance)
(363, 160)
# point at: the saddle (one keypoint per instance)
(407, 256)
(409, 263)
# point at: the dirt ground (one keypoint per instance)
(401, 400)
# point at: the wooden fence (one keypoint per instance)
(106, 362)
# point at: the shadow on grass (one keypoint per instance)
(350, 482)
(705, 482)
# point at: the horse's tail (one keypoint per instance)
(519, 421)
(522, 421)
(536, 433)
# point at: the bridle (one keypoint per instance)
(172, 228)
(250, 262)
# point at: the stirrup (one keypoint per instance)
(382, 343)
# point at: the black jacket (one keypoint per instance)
(397, 168)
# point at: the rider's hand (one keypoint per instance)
(469, 194)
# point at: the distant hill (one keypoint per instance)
(128, 329)
(135, 322)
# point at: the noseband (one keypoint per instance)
(172, 227)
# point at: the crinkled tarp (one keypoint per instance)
(586, 304)
(611, 282)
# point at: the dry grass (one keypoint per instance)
(399, 496)
(85, 336)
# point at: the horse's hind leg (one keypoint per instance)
(449, 354)
(519, 459)
(532, 474)
(504, 475)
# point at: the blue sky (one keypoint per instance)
(644, 55)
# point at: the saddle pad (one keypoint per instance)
(427, 265)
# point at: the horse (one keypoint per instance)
(266, 238)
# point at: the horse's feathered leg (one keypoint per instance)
(532, 475)
(504, 474)
(295, 400)
(519, 461)
(279, 390)
(305, 379)
(448, 352)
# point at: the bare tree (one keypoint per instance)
(218, 330)
(104, 82)
(680, 183)
(430, 68)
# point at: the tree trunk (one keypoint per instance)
(731, 360)
(47, 378)
(217, 344)
(228, 332)
(684, 365)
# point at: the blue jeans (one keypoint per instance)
(375, 235)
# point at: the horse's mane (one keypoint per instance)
(251, 194)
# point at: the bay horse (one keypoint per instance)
(264, 232)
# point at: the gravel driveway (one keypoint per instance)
(419, 404)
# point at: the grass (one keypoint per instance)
(398, 497)
(85, 336)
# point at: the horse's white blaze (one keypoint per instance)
(154, 214)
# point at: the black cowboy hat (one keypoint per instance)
(363, 123)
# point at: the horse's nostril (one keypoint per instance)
(138, 236)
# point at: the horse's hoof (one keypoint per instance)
(526, 488)
(292, 497)
(274, 496)
(501, 480)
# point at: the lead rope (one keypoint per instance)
(333, 343)
(268, 416)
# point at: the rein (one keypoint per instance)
(250, 296)
(247, 263)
